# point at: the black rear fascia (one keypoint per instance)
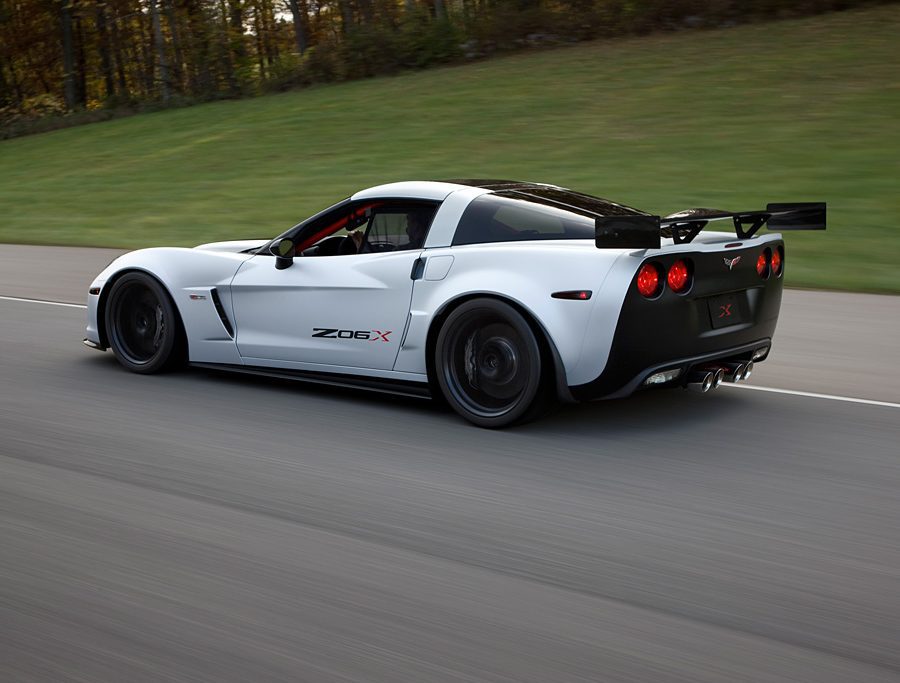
(675, 330)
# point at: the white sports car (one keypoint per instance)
(498, 296)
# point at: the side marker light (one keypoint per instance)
(574, 294)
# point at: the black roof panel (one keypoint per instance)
(553, 195)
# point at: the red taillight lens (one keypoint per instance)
(679, 277)
(648, 280)
(762, 264)
(776, 262)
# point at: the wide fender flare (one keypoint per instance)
(563, 323)
(183, 272)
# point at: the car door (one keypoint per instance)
(346, 311)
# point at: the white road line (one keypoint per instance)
(789, 392)
(41, 301)
(809, 394)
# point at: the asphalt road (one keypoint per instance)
(205, 527)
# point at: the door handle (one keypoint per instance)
(418, 269)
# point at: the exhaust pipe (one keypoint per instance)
(718, 378)
(737, 372)
(701, 381)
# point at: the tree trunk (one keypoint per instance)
(161, 61)
(68, 54)
(299, 15)
(81, 94)
(267, 23)
(117, 55)
(178, 64)
(440, 12)
(5, 93)
(225, 50)
(103, 47)
(346, 15)
(200, 48)
(260, 54)
(146, 61)
(236, 21)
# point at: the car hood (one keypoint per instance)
(235, 246)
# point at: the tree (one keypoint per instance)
(68, 53)
(299, 12)
(161, 61)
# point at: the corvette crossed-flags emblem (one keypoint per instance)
(732, 262)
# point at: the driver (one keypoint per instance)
(416, 228)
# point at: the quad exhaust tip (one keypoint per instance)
(711, 377)
(739, 371)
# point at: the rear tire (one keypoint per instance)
(488, 364)
(142, 325)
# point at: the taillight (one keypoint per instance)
(649, 282)
(776, 262)
(679, 277)
(762, 264)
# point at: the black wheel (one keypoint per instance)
(488, 364)
(142, 325)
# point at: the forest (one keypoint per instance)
(64, 62)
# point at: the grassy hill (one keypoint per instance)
(795, 110)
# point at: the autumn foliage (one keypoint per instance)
(70, 61)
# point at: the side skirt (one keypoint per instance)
(384, 386)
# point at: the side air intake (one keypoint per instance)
(217, 302)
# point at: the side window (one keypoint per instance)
(366, 227)
(524, 219)
(497, 218)
(338, 231)
(398, 227)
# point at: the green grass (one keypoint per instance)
(795, 110)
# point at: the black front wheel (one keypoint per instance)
(142, 325)
(488, 364)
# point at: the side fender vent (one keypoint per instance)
(217, 302)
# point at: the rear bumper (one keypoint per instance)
(605, 387)
(677, 330)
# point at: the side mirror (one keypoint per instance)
(283, 251)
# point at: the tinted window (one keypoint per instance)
(496, 218)
(388, 224)
(399, 227)
(576, 201)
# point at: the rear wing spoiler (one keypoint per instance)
(646, 232)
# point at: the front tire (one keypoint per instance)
(142, 325)
(488, 364)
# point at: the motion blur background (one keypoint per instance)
(201, 527)
(661, 104)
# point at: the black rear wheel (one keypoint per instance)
(488, 364)
(142, 325)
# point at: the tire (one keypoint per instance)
(488, 364)
(142, 325)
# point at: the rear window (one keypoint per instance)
(517, 217)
